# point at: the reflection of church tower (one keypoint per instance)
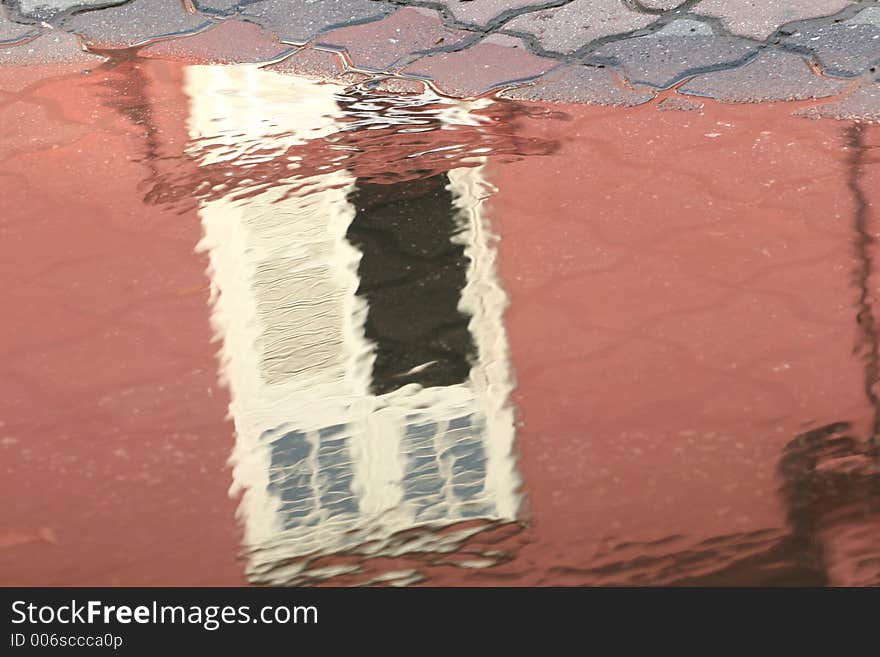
(362, 338)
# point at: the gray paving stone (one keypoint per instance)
(665, 5)
(44, 9)
(220, 7)
(867, 16)
(772, 75)
(758, 19)
(48, 48)
(481, 13)
(863, 104)
(568, 28)
(664, 61)
(684, 27)
(11, 32)
(576, 83)
(299, 21)
(844, 49)
(134, 23)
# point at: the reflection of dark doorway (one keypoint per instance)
(412, 274)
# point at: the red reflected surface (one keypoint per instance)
(686, 297)
(689, 292)
(114, 433)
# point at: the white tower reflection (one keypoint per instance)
(347, 434)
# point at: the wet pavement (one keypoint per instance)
(594, 51)
(294, 308)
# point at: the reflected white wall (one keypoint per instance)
(323, 465)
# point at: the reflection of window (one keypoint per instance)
(413, 269)
(444, 471)
(446, 467)
(412, 274)
(330, 305)
(311, 474)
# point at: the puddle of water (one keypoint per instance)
(685, 301)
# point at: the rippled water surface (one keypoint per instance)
(264, 329)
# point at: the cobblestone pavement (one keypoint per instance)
(617, 52)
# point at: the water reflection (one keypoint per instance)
(361, 325)
(691, 323)
(373, 419)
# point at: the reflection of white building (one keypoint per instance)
(326, 466)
